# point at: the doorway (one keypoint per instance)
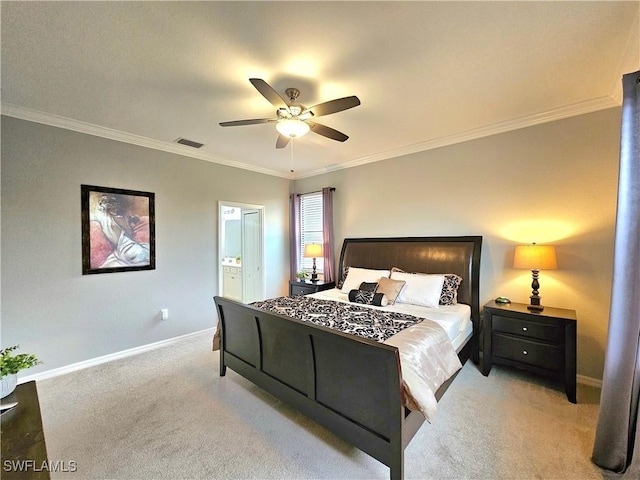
(241, 251)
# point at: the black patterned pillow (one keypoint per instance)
(368, 298)
(449, 295)
(368, 286)
(343, 277)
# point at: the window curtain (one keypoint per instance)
(294, 233)
(617, 441)
(328, 248)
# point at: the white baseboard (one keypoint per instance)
(590, 381)
(583, 379)
(109, 358)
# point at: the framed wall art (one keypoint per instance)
(118, 230)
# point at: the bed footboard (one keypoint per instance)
(347, 384)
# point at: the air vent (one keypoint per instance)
(189, 143)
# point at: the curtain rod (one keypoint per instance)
(333, 189)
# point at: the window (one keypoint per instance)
(310, 228)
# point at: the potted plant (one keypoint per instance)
(301, 275)
(10, 365)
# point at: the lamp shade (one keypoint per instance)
(535, 257)
(292, 128)
(313, 250)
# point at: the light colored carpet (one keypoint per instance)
(166, 414)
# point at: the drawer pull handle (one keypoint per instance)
(525, 352)
(524, 329)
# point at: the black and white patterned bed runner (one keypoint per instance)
(354, 319)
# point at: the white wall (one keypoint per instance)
(552, 183)
(50, 308)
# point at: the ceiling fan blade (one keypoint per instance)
(327, 132)
(268, 92)
(255, 121)
(282, 141)
(333, 106)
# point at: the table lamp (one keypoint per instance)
(535, 258)
(313, 250)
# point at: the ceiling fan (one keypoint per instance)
(294, 120)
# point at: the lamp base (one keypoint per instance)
(314, 274)
(535, 304)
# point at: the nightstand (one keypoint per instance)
(543, 343)
(297, 287)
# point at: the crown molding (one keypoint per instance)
(53, 120)
(581, 108)
(630, 59)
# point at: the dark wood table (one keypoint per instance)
(305, 287)
(543, 342)
(24, 451)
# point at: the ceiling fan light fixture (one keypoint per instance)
(294, 120)
(292, 127)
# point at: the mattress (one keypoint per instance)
(454, 319)
(427, 349)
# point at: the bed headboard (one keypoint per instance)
(459, 255)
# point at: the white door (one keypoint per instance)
(241, 248)
(251, 256)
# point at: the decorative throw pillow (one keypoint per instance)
(449, 295)
(391, 288)
(368, 286)
(368, 298)
(343, 276)
(452, 282)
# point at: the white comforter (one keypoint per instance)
(427, 356)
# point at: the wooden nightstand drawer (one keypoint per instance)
(541, 331)
(538, 354)
(300, 290)
(305, 288)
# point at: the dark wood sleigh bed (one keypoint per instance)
(348, 384)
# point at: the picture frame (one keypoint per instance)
(118, 230)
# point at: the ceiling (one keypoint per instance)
(428, 74)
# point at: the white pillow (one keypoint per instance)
(356, 276)
(423, 290)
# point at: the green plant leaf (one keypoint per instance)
(11, 364)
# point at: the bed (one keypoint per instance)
(352, 386)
